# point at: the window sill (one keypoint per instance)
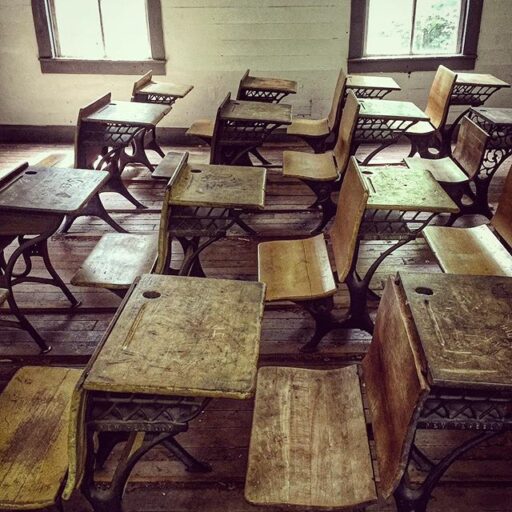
(102, 67)
(410, 64)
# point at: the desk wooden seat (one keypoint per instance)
(309, 445)
(477, 250)
(202, 128)
(454, 173)
(34, 424)
(296, 269)
(119, 258)
(321, 134)
(471, 251)
(309, 127)
(330, 165)
(438, 104)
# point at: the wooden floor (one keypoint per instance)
(481, 481)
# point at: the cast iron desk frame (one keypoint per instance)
(115, 416)
(383, 122)
(33, 203)
(467, 399)
(243, 127)
(109, 131)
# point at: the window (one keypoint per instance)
(99, 36)
(413, 35)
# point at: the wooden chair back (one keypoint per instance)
(502, 220)
(348, 125)
(77, 442)
(439, 97)
(334, 116)
(349, 215)
(164, 238)
(240, 94)
(216, 149)
(469, 152)
(141, 82)
(394, 374)
(82, 113)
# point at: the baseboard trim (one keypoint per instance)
(11, 133)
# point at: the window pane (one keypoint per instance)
(125, 24)
(389, 28)
(78, 29)
(437, 27)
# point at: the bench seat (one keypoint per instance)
(203, 128)
(295, 269)
(310, 166)
(309, 127)
(309, 445)
(421, 128)
(471, 251)
(116, 260)
(34, 424)
(444, 170)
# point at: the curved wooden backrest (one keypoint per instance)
(239, 94)
(394, 375)
(439, 97)
(77, 443)
(142, 81)
(349, 214)
(162, 262)
(502, 220)
(333, 119)
(471, 145)
(215, 152)
(84, 112)
(348, 125)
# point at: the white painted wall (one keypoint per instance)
(210, 43)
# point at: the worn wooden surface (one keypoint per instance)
(474, 251)
(167, 89)
(480, 482)
(309, 445)
(237, 110)
(259, 83)
(333, 117)
(220, 185)
(391, 109)
(183, 336)
(50, 189)
(202, 128)
(295, 269)
(308, 127)
(464, 324)
(310, 166)
(372, 82)
(438, 102)
(393, 372)
(167, 165)
(495, 115)
(34, 419)
(442, 169)
(349, 214)
(3, 295)
(502, 219)
(346, 132)
(116, 260)
(483, 79)
(470, 148)
(412, 190)
(128, 113)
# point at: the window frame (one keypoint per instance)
(358, 63)
(52, 64)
